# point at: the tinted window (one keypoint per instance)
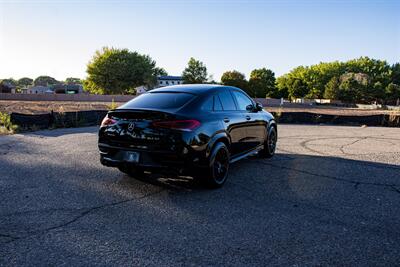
(207, 104)
(242, 100)
(227, 101)
(159, 100)
(217, 104)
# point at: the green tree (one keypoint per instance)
(369, 76)
(9, 81)
(351, 90)
(119, 71)
(160, 72)
(234, 78)
(24, 82)
(332, 90)
(375, 93)
(281, 87)
(298, 89)
(262, 83)
(45, 81)
(294, 83)
(395, 73)
(392, 92)
(377, 70)
(72, 80)
(195, 72)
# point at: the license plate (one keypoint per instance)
(131, 156)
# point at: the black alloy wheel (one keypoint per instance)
(270, 144)
(218, 166)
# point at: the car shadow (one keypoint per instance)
(62, 132)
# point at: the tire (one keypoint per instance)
(216, 173)
(270, 144)
(131, 171)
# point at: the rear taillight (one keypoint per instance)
(107, 121)
(183, 125)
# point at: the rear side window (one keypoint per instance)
(159, 101)
(242, 100)
(208, 104)
(217, 103)
(227, 100)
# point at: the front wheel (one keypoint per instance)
(217, 171)
(270, 144)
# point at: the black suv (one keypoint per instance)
(196, 130)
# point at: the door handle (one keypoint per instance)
(226, 120)
(248, 117)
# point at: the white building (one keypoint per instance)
(168, 80)
(37, 90)
(141, 90)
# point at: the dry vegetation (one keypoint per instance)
(40, 107)
(333, 111)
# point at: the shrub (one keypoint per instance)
(113, 105)
(6, 126)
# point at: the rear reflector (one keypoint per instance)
(183, 125)
(107, 121)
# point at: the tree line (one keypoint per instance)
(42, 80)
(361, 80)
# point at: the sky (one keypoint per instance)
(58, 38)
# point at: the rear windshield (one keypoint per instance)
(159, 101)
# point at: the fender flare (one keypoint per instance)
(221, 136)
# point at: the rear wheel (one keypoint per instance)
(131, 171)
(270, 144)
(217, 170)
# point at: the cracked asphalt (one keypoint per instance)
(330, 196)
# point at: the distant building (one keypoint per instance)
(141, 89)
(37, 90)
(168, 80)
(68, 89)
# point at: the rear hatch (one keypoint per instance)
(134, 130)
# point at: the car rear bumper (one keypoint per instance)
(112, 156)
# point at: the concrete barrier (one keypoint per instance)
(27, 122)
(388, 120)
(88, 118)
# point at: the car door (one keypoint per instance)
(255, 125)
(233, 121)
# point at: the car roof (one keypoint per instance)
(190, 88)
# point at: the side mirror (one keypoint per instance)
(259, 107)
(250, 108)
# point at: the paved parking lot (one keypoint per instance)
(331, 196)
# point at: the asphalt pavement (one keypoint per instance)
(330, 196)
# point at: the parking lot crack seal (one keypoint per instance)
(396, 189)
(349, 144)
(78, 217)
(393, 186)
